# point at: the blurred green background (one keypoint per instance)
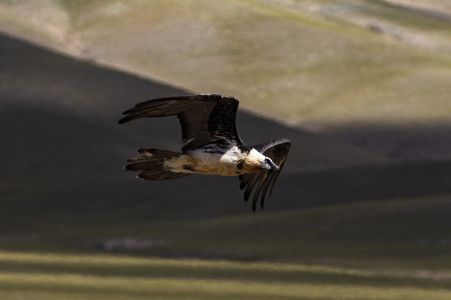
(362, 210)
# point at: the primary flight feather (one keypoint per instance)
(211, 145)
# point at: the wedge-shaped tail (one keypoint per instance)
(151, 163)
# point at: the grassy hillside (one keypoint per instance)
(62, 162)
(357, 71)
(63, 188)
(343, 223)
(106, 277)
(323, 62)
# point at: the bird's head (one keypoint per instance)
(256, 161)
(268, 164)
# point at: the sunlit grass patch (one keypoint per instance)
(75, 276)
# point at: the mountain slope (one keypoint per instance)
(63, 187)
(356, 71)
(311, 62)
(63, 143)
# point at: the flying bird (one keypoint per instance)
(211, 145)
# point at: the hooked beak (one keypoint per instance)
(273, 166)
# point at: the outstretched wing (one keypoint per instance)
(259, 183)
(204, 119)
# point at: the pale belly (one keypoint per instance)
(208, 163)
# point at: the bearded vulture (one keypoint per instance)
(211, 145)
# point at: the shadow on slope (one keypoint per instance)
(63, 151)
(423, 141)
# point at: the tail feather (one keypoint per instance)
(151, 163)
(142, 164)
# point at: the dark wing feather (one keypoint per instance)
(204, 118)
(259, 183)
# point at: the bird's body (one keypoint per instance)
(211, 145)
(230, 161)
